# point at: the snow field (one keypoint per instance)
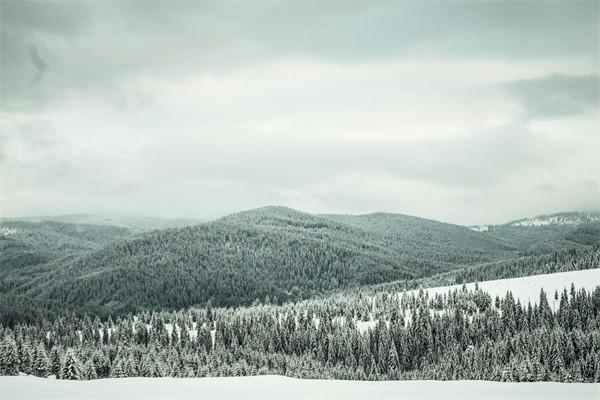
(527, 289)
(278, 387)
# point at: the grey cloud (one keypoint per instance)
(99, 45)
(131, 152)
(556, 95)
(546, 188)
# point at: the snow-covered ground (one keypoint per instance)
(528, 288)
(277, 387)
(7, 231)
(480, 228)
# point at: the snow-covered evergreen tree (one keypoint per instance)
(26, 358)
(55, 363)
(41, 363)
(118, 370)
(131, 368)
(9, 357)
(89, 370)
(71, 367)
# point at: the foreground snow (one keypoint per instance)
(527, 289)
(277, 387)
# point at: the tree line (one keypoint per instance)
(464, 334)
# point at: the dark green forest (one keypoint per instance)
(558, 261)
(25, 244)
(50, 268)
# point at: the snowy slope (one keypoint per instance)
(528, 288)
(277, 387)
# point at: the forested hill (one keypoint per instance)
(29, 243)
(271, 251)
(428, 238)
(547, 233)
(136, 224)
(560, 261)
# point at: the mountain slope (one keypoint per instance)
(135, 224)
(429, 239)
(231, 261)
(560, 261)
(547, 233)
(29, 243)
(271, 251)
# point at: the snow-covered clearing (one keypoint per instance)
(7, 231)
(527, 289)
(277, 387)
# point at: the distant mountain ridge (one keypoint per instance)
(270, 251)
(137, 224)
(570, 218)
(545, 233)
(564, 218)
(30, 243)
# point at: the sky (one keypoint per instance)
(466, 112)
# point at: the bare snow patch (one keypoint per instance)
(527, 289)
(4, 231)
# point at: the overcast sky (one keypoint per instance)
(466, 112)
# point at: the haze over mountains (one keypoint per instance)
(271, 251)
(136, 224)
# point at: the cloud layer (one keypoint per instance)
(467, 112)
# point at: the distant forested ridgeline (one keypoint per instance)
(464, 334)
(576, 259)
(531, 240)
(230, 263)
(272, 251)
(25, 244)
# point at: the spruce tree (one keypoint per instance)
(9, 358)
(131, 368)
(41, 363)
(118, 370)
(71, 368)
(89, 370)
(393, 360)
(26, 358)
(55, 364)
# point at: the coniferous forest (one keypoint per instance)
(48, 269)
(276, 291)
(462, 335)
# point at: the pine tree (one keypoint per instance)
(26, 358)
(148, 367)
(89, 370)
(118, 370)
(393, 360)
(9, 359)
(55, 363)
(41, 363)
(131, 367)
(71, 368)
(102, 364)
